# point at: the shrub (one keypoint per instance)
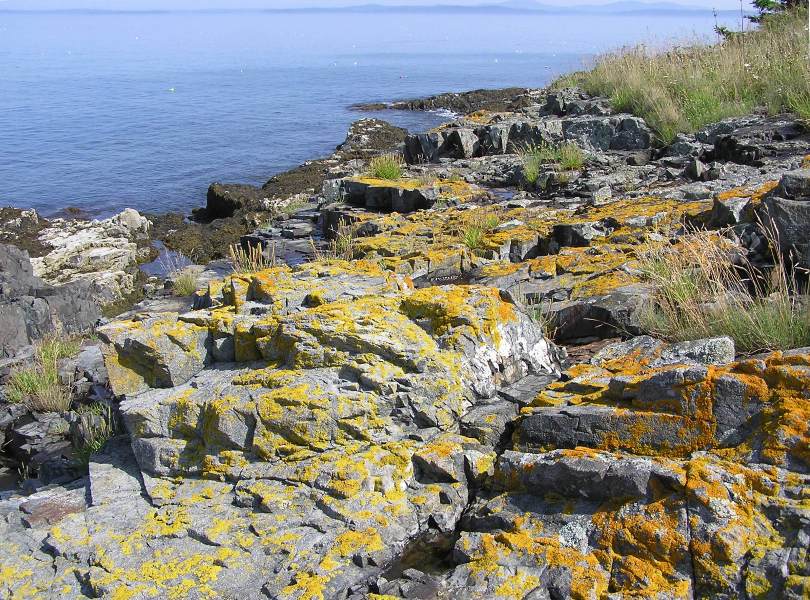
(387, 166)
(37, 385)
(687, 87)
(705, 287)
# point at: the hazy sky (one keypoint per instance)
(188, 4)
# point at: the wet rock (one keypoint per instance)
(224, 199)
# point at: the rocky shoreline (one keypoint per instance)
(436, 385)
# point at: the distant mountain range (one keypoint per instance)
(622, 7)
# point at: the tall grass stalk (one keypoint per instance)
(689, 86)
(251, 259)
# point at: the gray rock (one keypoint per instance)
(578, 234)
(597, 477)
(795, 185)
(607, 428)
(602, 196)
(114, 474)
(31, 309)
(714, 351)
(696, 170)
(157, 352)
(791, 220)
(685, 145)
(731, 211)
(614, 314)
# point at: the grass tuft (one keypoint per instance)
(185, 281)
(37, 385)
(568, 156)
(250, 259)
(687, 87)
(476, 227)
(97, 431)
(706, 287)
(387, 166)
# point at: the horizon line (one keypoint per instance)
(540, 9)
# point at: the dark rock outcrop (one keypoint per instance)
(31, 309)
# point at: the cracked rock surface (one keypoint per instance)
(397, 424)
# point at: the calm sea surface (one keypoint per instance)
(103, 111)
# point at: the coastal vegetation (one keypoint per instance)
(38, 385)
(250, 259)
(185, 281)
(706, 287)
(386, 166)
(567, 156)
(100, 425)
(475, 228)
(689, 86)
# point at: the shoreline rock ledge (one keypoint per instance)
(398, 426)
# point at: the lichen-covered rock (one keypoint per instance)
(103, 253)
(307, 463)
(680, 481)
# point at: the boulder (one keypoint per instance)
(224, 199)
(599, 317)
(730, 211)
(157, 352)
(795, 185)
(791, 220)
(379, 194)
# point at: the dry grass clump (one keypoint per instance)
(37, 385)
(250, 259)
(387, 166)
(706, 287)
(340, 247)
(690, 86)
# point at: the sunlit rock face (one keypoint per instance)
(300, 431)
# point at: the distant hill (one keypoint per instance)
(525, 6)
